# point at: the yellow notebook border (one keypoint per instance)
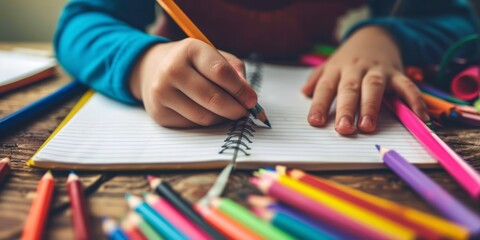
(83, 100)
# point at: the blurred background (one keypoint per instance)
(29, 20)
(35, 20)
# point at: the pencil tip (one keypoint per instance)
(6, 159)
(48, 174)
(72, 176)
(378, 147)
(268, 123)
(150, 178)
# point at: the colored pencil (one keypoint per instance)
(192, 31)
(131, 231)
(437, 103)
(317, 210)
(465, 175)
(271, 204)
(400, 214)
(440, 94)
(292, 225)
(427, 226)
(111, 229)
(165, 190)
(79, 208)
(226, 225)
(368, 217)
(5, 168)
(164, 208)
(312, 60)
(37, 217)
(431, 192)
(37, 108)
(249, 220)
(157, 221)
(143, 226)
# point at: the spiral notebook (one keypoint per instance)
(103, 134)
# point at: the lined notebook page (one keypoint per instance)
(105, 133)
(108, 132)
(293, 140)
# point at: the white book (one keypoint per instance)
(19, 69)
(104, 134)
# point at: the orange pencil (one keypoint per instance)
(225, 224)
(192, 31)
(436, 103)
(37, 217)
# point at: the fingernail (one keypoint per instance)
(251, 102)
(317, 118)
(425, 117)
(367, 123)
(345, 123)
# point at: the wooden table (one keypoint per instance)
(107, 192)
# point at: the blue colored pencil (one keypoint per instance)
(157, 221)
(112, 230)
(447, 205)
(39, 107)
(441, 94)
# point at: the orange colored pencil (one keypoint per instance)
(226, 225)
(37, 217)
(436, 103)
(192, 31)
(79, 209)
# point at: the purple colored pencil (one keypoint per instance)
(447, 205)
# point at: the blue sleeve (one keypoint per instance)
(99, 41)
(426, 30)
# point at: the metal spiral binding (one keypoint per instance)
(241, 132)
(239, 136)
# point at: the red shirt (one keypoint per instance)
(268, 27)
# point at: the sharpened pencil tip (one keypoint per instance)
(378, 147)
(268, 123)
(150, 178)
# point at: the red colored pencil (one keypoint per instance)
(5, 168)
(131, 231)
(37, 217)
(79, 208)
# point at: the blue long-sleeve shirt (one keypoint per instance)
(99, 41)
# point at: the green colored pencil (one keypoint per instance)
(143, 226)
(249, 220)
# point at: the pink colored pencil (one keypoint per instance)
(451, 161)
(172, 215)
(315, 209)
(312, 60)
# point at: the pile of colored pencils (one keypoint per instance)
(309, 207)
(296, 205)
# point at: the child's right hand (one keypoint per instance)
(189, 83)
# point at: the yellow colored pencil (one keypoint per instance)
(192, 31)
(373, 220)
(446, 228)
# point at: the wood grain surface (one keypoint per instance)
(106, 191)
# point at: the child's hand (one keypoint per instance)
(188, 83)
(359, 72)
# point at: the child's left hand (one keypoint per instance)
(359, 72)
